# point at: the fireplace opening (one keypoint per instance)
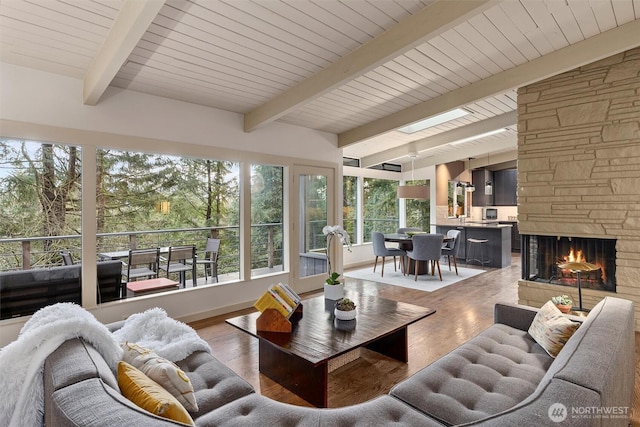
(542, 255)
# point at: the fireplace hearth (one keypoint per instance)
(542, 255)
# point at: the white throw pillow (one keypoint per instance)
(551, 329)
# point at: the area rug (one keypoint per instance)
(425, 282)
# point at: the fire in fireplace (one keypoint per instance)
(541, 256)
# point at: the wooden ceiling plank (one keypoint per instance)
(224, 52)
(511, 31)
(434, 70)
(473, 36)
(340, 40)
(623, 11)
(405, 67)
(437, 17)
(205, 69)
(567, 22)
(593, 49)
(128, 28)
(178, 24)
(264, 29)
(585, 18)
(546, 23)
(437, 50)
(603, 11)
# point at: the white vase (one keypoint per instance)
(345, 315)
(333, 292)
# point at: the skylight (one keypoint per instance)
(434, 121)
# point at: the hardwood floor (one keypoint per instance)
(462, 311)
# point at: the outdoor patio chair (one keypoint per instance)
(142, 263)
(67, 259)
(209, 258)
(380, 249)
(427, 247)
(177, 263)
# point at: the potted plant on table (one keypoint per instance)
(333, 288)
(345, 309)
(563, 302)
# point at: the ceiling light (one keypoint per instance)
(413, 191)
(433, 121)
(472, 138)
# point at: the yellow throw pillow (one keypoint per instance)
(551, 329)
(162, 371)
(149, 395)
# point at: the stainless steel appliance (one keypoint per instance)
(489, 213)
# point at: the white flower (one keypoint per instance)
(336, 230)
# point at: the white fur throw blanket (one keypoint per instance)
(168, 337)
(22, 361)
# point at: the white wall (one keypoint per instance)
(48, 107)
(33, 96)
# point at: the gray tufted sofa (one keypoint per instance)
(499, 378)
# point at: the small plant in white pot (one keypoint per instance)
(345, 309)
(563, 302)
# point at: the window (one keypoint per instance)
(40, 211)
(350, 206)
(380, 206)
(267, 219)
(40, 203)
(150, 200)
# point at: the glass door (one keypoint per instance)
(315, 209)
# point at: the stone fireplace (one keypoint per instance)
(542, 257)
(579, 175)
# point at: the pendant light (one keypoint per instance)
(470, 187)
(413, 191)
(488, 186)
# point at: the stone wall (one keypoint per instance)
(579, 166)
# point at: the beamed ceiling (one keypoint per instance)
(358, 68)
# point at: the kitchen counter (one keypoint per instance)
(492, 223)
(498, 248)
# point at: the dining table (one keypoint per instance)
(405, 243)
(124, 254)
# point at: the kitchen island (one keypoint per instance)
(498, 248)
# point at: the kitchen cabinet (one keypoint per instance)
(480, 177)
(498, 248)
(505, 187)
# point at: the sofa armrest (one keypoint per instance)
(516, 316)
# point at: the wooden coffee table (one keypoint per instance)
(300, 361)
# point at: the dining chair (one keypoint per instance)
(450, 248)
(67, 259)
(210, 258)
(142, 263)
(380, 249)
(427, 248)
(177, 263)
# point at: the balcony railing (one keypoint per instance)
(23, 253)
